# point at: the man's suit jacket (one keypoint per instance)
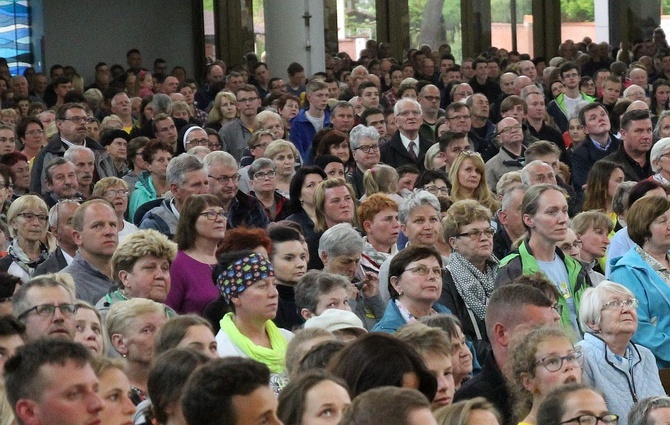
(394, 153)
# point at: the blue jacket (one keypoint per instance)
(393, 320)
(302, 133)
(620, 386)
(653, 314)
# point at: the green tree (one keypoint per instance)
(577, 11)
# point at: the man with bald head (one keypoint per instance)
(429, 98)
(510, 158)
(520, 83)
(215, 80)
(639, 77)
(506, 82)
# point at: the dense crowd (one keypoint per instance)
(410, 241)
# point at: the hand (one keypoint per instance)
(370, 285)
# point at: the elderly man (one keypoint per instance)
(511, 226)
(61, 181)
(633, 153)
(60, 225)
(121, 107)
(406, 145)
(84, 164)
(241, 209)
(207, 92)
(650, 411)
(429, 99)
(364, 142)
(340, 249)
(634, 92)
(342, 117)
(482, 130)
(510, 157)
(186, 176)
(537, 172)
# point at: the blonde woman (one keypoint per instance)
(223, 111)
(284, 155)
(468, 181)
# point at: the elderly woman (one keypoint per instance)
(334, 142)
(248, 331)
(623, 371)
(644, 270)
(303, 187)
(132, 327)
(660, 163)
(270, 121)
(141, 269)
(285, 156)
(470, 277)
(662, 128)
(468, 181)
(364, 143)
(415, 284)
(592, 228)
(31, 243)
(224, 110)
(114, 161)
(115, 191)
(263, 179)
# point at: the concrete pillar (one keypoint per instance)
(294, 32)
(602, 15)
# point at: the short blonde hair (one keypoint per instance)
(122, 316)
(103, 330)
(279, 146)
(23, 203)
(105, 183)
(180, 105)
(143, 243)
(461, 214)
(591, 220)
(426, 339)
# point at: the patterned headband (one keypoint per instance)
(243, 273)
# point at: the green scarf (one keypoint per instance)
(273, 357)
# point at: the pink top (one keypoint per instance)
(192, 286)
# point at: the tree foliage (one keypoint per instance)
(577, 11)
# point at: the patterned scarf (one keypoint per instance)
(21, 258)
(472, 285)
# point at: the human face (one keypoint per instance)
(571, 245)
(416, 288)
(224, 190)
(464, 90)
(664, 127)
(159, 163)
(187, 92)
(117, 149)
(334, 170)
(551, 219)
(308, 188)
(69, 396)
(88, 331)
(541, 174)
(570, 79)
(121, 105)
(34, 137)
(63, 230)
(469, 175)
(616, 178)
(228, 108)
(454, 149)
(117, 407)
(384, 228)
(542, 381)
(481, 71)
(318, 99)
(196, 138)
(137, 344)
(510, 132)
(340, 150)
(611, 91)
(662, 95)
(345, 265)
(343, 119)
(557, 88)
(660, 231)
(99, 236)
(637, 138)
(248, 103)
(166, 131)
(618, 320)
(200, 338)
(536, 107)
(576, 131)
(84, 164)
(274, 126)
(71, 131)
(8, 346)
(195, 183)
(257, 407)
(430, 100)
(118, 196)
(291, 109)
(460, 120)
(93, 130)
(325, 403)
(258, 301)
(477, 249)
(211, 229)
(597, 122)
(265, 184)
(423, 226)
(378, 122)
(407, 181)
(30, 230)
(170, 85)
(660, 416)
(364, 160)
(289, 260)
(370, 97)
(440, 366)
(583, 402)
(338, 206)
(59, 324)
(338, 299)
(284, 163)
(409, 117)
(480, 106)
(63, 89)
(461, 359)
(594, 243)
(149, 278)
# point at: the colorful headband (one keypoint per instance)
(243, 273)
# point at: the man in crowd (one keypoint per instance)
(61, 181)
(406, 145)
(510, 157)
(633, 153)
(567, 104)
(237, 133)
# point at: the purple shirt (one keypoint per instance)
(192, 286)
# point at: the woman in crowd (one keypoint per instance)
(469, 412)
(288, 108)
(215, 142)
(115, 191)
(263, 181)
(90, 331)
(336, 143)
(141, 269)
(539, 361)
(468, 181)
(224, 110)
(415, 284)
(256, 145)
(31, 244)
(303, 187)
(136, 163)
(30, 133)
(331, 210)
(623, 371)
(152, 183)
(201, 227)
(132, 327)
(469, 280)
(660, 96)
(662, 128)
(19, 172)
(364, 364)
(315, 397)
(331, 165)
(248, 331)
(433, 181)
(603, 179)
(575, 404)
(381, 179)
(284, 155)
(575, 134)
(588, 86)
(187, 331)
(644, 271)
(114, 161)
(660, 164)
(592, 228)
(113, 390)
(270, 121)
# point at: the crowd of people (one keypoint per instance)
(413, 241)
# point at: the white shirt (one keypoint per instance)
(405, 142)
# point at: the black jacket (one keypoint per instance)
(394, 153)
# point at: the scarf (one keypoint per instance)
(472, 285)
(273, 357)
(21, 258)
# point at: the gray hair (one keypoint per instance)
(58, 161)
(20, 301)
(531, 89)
(53, 212)
(396, 108)
(662, 116)
(218, 157)
(361, 132)
(73, 151)
(656, 152)
(593, 300)
(161, 103)
(341, 104)
(640, 413)
(179, 166)
(417, 199)
(525, 171)
(341, 239)
(620, 198)
(630, 89)
(507, 198)
(506, 180)
(260, 164)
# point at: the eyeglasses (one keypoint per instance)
(247, 99)
(260, 145)
(437, 190)
(30, 216)
(510, 129)
(226, 179)
(198, 142)
(558, 308)
(79, 120)
(554, 363)
(368, 148)
(568, 246)
(477, 233)
(48, 310)
(214, 146)
(609, 419)
(114, 193)
(213, 215)
(459, 117)
(39, 131)
(262, 176)
(631, 303)
(422, 270)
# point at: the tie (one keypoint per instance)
(412, 154)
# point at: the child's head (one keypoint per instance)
(576, 131)
(318, 291)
